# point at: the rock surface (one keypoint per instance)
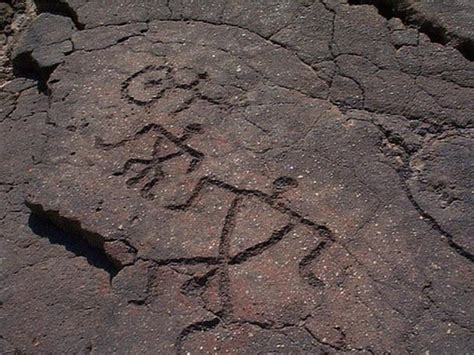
(44, 44)
(444, 21)
(235, 177)
(15, 15)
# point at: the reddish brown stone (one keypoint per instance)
(236, 177)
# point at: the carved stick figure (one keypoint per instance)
(151, 170)
(225, 259)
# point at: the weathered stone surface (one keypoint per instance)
(44, 44)
(444, 21)
(235, 177)
(443, 184)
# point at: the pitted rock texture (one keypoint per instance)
(235, 177)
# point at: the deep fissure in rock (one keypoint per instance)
(401, 9)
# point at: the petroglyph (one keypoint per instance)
(166, 147)
(267, 177)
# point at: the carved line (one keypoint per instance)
(153, 167)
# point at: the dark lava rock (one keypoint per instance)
(449, 22)
(235, 177)
(44, 44)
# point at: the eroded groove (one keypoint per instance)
(203, 326)
(401, 9)
(148, 69)
(261, 247)
(72, 237)
(185, 261)
(151, 171)
(264, 197)
(405, 173)
(305, 265)
(224, 247)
